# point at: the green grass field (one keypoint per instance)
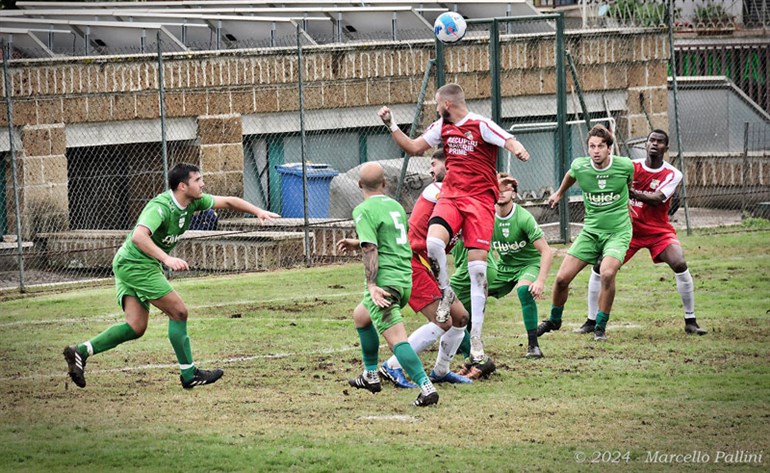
(287, 344)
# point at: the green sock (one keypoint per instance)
(556, 313)
(465, 345)
(177, 335)
(601, 320)
(370, 346)
(528, 308)
(410, 362)
(108, 339)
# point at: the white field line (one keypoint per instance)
(399, 418)
(119, 315)
(239, 359)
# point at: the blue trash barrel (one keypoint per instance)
(319, 178)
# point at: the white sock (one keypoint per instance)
(447, 349)
(420, 340)
(371, 376)
(594, 285)
(477, 270)
(686, 288)
(437, 253)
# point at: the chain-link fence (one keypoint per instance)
(286, 129)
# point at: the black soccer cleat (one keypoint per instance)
(424, 400)
(692, 328)
(202, 377)
(587, 327)
(533, 351)
(547, 326)
(599, 334)
(76, 366)
(359, 382)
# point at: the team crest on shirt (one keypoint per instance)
(469, 135)
(506, 232)
(181, 222)
(602, 183)
(654, 184)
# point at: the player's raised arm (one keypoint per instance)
(414, 147)
(238, 204)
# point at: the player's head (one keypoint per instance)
(657, 143)
(450, 97)
(188, 175)
(600, 142)
(507, 190)
(438, 166)
(371, 177)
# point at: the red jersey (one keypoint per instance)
(470, 146)
(418, 221)
(651, 220)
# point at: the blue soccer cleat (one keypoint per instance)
(452, 378)
(396, 376)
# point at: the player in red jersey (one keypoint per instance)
(426, 294)
(468, 195)
(655, 181)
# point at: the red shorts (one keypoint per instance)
(656, 244)
(424, 286)
(474, 215)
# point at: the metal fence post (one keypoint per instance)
(308, 261)
(562, 156)
(12, 150)
(676, 116)
(745, 168)
(162, 92)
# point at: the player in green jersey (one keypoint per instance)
(381, 226)
(139, 278)
(605, 180)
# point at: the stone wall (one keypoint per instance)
(219, 88)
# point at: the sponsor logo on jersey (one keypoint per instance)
(171, 239)
(654, 184)
(460, 146)
(601, 200)
(506, 247)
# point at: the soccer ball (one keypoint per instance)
(449, 27)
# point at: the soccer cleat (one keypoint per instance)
(599, 334)
(202, 377)
(547, 326)
(486, 366)
(533, 352)
(693, 328)
(477, 350)
(587, 327)
(396, 376)
(359, 382)
(76, 366)
(442, 311)
(452, 378)
(429, 400)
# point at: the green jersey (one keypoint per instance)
(460, 254)
(382, 221)
(513, 238)
(167, 221)
(605, 193)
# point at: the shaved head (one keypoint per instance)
(371, 176)
(453, 93)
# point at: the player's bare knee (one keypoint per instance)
(562, 283)
(679, 266)
(178, 313)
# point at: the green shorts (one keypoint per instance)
(145, 282)
(384, 318)
(507, 278)
(590, 246)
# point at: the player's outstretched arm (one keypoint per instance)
(142, 240)
(514, 146)
(414, 147)
(238, 204)
(566, 183)
(348, 244)
(654, 199)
